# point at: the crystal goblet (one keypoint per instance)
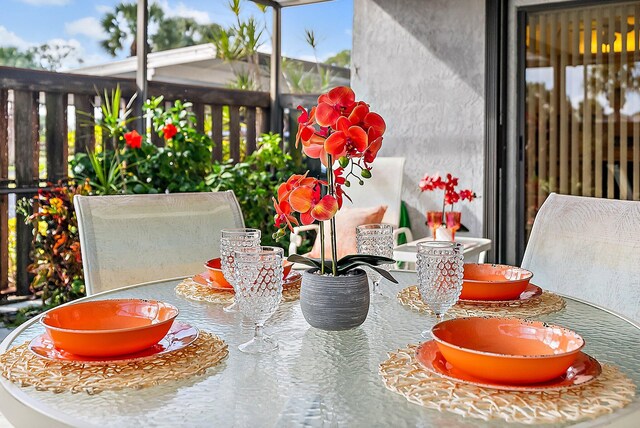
(377, 240)
(230, 241)
(258, 277)
(440, 267)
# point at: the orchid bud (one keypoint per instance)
(347, 183)
(343, 161)
(365, 173)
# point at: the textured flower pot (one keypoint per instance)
(334, 303)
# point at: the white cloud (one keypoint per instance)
(46, 2)
(103, 8)
(8, 38)
(181, 9)
(88, 26)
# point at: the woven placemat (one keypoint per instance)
(21, 366)
(545, 303)
(402, 373)
(193, 290)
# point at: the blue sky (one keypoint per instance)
(24, 23)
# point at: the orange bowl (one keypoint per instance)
(214, 267)
(493, 282)
(507, 350)
(106, 328)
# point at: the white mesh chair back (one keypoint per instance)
(129, 239)
(588, 248)
(383, 188)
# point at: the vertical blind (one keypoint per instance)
(582, 104)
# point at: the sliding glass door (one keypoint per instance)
(581, 104)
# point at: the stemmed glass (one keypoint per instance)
(230, 241)
(258, 272)
(377, 240)
(453, 222)
(440, 268)
(434, 221)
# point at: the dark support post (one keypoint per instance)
(26, 140)
(141, 55)
(276, 57)
(495, 126)
(4, 199)
(56, 131)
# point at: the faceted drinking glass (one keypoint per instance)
(377, 240)
(258, 273)
(230, 241)
(440, 268)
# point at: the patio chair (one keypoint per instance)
(588, 248)
(129, 239)
(383, 188)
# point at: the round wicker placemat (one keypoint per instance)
(546, 303)
(403, 374)
(193, 290)
(21, 366)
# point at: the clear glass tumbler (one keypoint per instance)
(230, 241)
(440, 268)
(258, 272)
(377, 240)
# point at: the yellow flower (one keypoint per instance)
(42, 228)
(56, 203)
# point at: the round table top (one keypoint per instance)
(315, 378)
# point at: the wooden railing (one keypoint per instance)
(40, 139)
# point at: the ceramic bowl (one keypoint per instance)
(214, 268)
(493, 282)
(507, 350)
(107, 328)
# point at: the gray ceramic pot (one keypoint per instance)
(334, 303)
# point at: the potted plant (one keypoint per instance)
(346, 137)
(449, 219)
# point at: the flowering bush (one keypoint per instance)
(57, 262)
(449, 184)
(338, 128)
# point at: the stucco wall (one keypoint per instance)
(420, 63)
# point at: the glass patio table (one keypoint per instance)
(316, 378)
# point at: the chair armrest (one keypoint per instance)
(400, 230)
(295, 240)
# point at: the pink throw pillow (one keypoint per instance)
(347, 220)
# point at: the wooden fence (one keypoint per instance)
(35, 108)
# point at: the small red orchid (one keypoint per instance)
(449, 184)
(337, 102)
(348, 139)
(169, 131)
(133, 139)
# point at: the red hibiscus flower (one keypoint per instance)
(169, 131)
(337, 102)
(133, 139)
(348, 139)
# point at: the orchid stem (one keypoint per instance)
(322, 247)
(334, 252)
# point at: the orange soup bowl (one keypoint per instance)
(493, 282)
(214, 267)
(107, 328)
(507, 350)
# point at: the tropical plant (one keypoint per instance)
(338, 128)
(341, 59)
(57, 263)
